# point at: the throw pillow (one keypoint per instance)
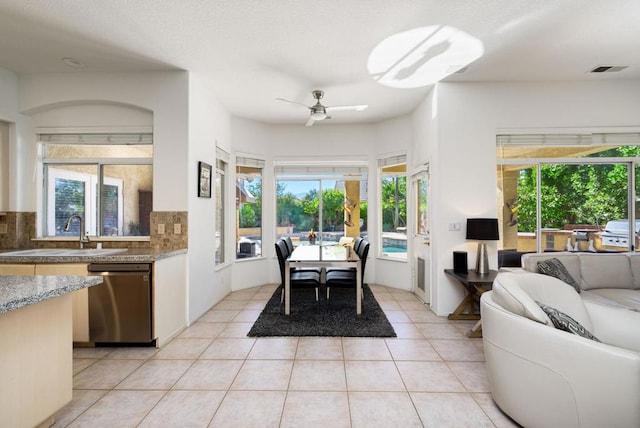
(564, 322)
(554, 267)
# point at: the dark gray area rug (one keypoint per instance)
(308, 318)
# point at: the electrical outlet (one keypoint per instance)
(160, 228)
(177, 229)
(455, 227)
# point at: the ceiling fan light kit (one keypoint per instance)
(319, 112)
(318, 115)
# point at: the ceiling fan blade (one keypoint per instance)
(319, 111)
(360, 107)
(292, 102)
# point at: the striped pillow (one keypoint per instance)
(554, 267)
(564, 322)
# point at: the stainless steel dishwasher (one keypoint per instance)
(120, 309)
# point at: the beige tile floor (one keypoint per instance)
(213, 375)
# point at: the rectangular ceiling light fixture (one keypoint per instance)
(608, 68)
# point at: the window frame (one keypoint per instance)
(321, 170)
(387, 161)
(578, 140)
(94, 184)
(248, 161)
(221, 257)
(91, 199)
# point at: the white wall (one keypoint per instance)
(90, 114)
(469, 114)
(424, 149)
(454, 129)
(82, 115)
(209, 123)
(187, 123)
(123, 99)
(163, 93)
(322, 141)
(253, 138)
(11, 170)
(4, 165)
(392, 136)
(9, 98)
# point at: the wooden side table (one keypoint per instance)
(474, 285)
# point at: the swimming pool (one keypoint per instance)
(391, 249)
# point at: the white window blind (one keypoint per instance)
(392, 160)
(251, 162)
(614, 139)
(325, 169)
(107, 138)
(627, 139)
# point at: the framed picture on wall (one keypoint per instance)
(204, 180)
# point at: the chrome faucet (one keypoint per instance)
(82, 236)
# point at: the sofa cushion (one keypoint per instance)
(606, 271)
(571, 262)
(615, 297)
(554, 267)
(518, 293)
(564, 322)
(634, 262)
(510, 296)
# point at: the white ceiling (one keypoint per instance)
(255, 51)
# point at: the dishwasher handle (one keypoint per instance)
(119, 267)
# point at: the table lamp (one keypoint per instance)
(482, 229)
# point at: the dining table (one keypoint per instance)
(322, 256)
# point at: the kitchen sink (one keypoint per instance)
(69, 252)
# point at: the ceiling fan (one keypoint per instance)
(319, 111)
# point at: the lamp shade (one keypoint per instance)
(482, 229)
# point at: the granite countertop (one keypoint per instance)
(143, 255)
(17, 291)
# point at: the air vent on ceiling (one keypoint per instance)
(73, 63)
(608, 68)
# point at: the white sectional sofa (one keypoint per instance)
(543, 376)
(611, 279)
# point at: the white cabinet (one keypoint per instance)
(61, 269)
(80, 297)
(169, 298)
(35, 362)
(17, 269)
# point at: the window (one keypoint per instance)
(568, 192)
(422, 223)
(107, 179)
(222, 160)
(248, 207)
(299, 207)
(321, 202)
(74, 191)
(393, 204)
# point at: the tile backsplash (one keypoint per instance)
(18, 229)
(169, 230)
